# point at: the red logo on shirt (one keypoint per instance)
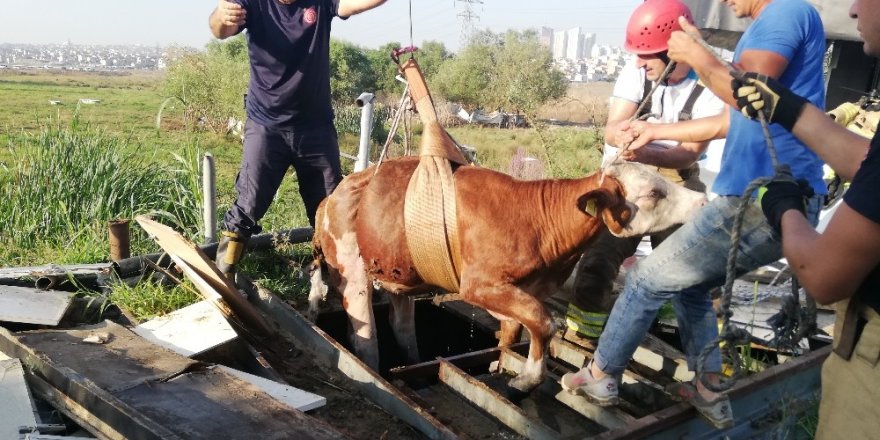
(310, 16)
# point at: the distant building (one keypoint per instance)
(559, 44)
(574, 44)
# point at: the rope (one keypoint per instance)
(394, 124)
(411, 43)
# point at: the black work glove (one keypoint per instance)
(755, 93)
(779, 196)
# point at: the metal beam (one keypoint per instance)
(493, 403)
(789, 385)
(610, 417)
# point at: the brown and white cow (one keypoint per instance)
(519, 241)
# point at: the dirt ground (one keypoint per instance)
(347, 409)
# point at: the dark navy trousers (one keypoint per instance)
(269, 152)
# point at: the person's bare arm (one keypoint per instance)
(619, 111)
(715, 75)
(641, 133)
(840, 148)
(347, 8)
(677, 157)
(227, 19)
(831, 265)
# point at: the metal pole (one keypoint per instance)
(209, 198)
(365, 101)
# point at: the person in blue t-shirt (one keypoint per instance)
(785, 41)
(289, 112)
(842, 264)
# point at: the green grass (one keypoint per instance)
(149, 299)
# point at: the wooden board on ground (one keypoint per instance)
(140, 390)
(291, 396)
(211, 283)
(189, 331)
(33, 306)
(16, 407)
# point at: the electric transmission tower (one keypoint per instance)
(469, 19)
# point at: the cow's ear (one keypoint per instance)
(610, 205)
(617, 217)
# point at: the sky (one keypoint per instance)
(184, 22)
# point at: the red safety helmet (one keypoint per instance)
(651, 24)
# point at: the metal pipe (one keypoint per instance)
(130, 267)
(120, 240)
(365, 102)
(209, 198)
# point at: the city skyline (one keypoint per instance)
(168, 23)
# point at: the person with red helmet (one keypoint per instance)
(786, 40)
(677, 97)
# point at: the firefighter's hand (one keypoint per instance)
(755, 92)
(231, 13)
(781, 195)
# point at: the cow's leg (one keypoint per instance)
(403, 323)
(357, 296)
(525, 308)
(318, 291)
(511, 331)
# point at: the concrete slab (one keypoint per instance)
(16, 407)
(33, 306)
(291, 396)
(189, 331)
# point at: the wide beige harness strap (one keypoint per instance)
(430, 216)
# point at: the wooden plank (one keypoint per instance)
(73, 409)
(16, 406)
(208, 279)
(189, 331)
(32, 306)
(140, 390)
(487, 399)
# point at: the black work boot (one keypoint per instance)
(229, 253)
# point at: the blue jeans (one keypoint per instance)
(683, 269)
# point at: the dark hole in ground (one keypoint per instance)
(439, 333)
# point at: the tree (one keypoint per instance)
(512, 71)
(211, 84)
(350, 72)
(384, 70)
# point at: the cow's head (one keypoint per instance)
(656, 203)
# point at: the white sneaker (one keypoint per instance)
(602, 392)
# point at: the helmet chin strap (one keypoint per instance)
(670, 66)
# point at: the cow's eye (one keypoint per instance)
(656, 194)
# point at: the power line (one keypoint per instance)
(468, 19)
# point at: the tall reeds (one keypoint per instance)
(62, 185)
